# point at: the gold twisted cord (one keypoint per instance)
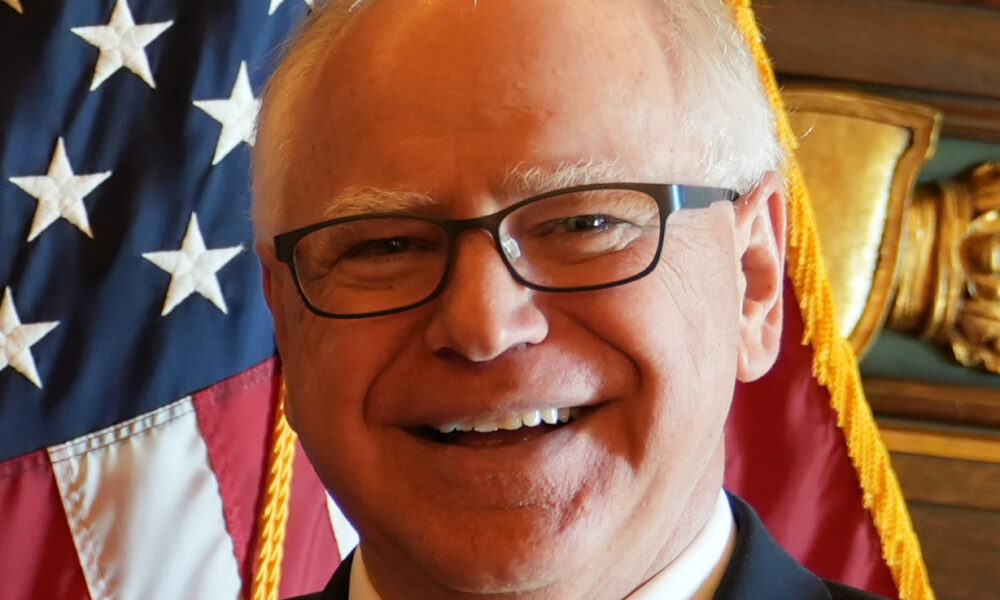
(834, 364)
(273, 519)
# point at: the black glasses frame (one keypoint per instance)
(669, 198)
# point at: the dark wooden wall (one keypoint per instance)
(945, 444)
(955, 505)
(945, 53)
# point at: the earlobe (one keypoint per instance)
(760, 226)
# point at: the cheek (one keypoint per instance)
(683, 318)
(697, 330)
(312, 362)
(329, 367)
(680, 328)
(332, 363)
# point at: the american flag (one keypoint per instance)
(137, 382)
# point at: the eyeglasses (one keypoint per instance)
(576, 239)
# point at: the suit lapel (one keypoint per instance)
(338, 588)
(760, 569)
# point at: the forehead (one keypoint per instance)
(443, 96)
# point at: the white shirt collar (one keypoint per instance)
(694, 575)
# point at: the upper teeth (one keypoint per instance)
(513, 421)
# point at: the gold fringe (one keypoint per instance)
(834, 363)
(274, 518)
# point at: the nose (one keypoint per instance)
(483, 312)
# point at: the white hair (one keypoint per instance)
(723, 109)
(725, 113)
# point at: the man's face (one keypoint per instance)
(446, 98)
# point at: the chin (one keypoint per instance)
(512, 554)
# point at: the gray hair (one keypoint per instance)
(724, 111)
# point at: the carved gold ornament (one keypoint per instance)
(949, 289)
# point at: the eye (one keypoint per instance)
(588, 223)
(381, 247)
(579, 224)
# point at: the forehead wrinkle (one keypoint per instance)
(523, 180)
(357, 200)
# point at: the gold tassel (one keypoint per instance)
(273, 520)
(834, 364)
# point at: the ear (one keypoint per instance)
(273, 285)
(270, 267)
(267, 264)
(760, 238)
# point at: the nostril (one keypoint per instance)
(449, 354)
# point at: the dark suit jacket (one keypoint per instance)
(759, 569)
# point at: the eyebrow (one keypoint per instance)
(518, 180)
(358, 200)
(527, 181)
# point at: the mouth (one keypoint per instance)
(509, 429)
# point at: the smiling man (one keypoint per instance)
(518, 254)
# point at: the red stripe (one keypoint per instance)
(788, 459)
(37, 555)
(235, 420)
(311, 553)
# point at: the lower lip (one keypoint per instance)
(505, 471)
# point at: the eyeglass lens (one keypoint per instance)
(567, 241)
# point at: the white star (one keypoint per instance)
(237, 114)
(276, 3)
(193, 268)
(16, 339)
(16, 5)
(60, 193)
(122, 44)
